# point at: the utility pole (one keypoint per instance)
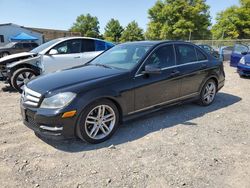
(190, 35)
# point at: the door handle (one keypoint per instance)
(174, 73)
(77, 57)
(203, 66)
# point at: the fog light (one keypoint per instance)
(69, 114)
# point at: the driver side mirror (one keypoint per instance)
(53, 52)
(244, 53)
(150, 69)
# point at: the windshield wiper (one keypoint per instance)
(102, 65)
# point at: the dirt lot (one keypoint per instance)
(182, 146)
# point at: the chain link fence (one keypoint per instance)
(221, 43)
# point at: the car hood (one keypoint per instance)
(16, 56)
(71, 77)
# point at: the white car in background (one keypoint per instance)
(58, 54)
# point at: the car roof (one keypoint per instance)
(156, 43)
(68, 38)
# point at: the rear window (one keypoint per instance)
(185, 54)
(26, 45)
(100, 45)
(88, 45)
(200, 55)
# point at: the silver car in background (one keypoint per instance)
(58, 54)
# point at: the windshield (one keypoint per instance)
(44, 46)
(10, 45)
(123, 56)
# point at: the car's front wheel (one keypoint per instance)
(4, 54)
(98, 122)
(22, 76)
(208, 93)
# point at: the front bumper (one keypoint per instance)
(243, 70)
(48, 123)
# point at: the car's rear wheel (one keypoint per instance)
(208, 93)
(22, 76)
(98, 122)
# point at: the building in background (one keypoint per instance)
(10, 30)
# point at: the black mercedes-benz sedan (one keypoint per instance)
(128, 80)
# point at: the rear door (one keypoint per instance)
(89, 50)
(237, 54)
(69, 55)
(192, 64)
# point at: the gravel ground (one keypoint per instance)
(181, 146)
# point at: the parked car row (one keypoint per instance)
(126, 81)
(17, 47)
(52, 56)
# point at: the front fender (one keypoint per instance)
(30, 61)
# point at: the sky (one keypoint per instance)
(59, 14)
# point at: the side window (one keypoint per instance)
(88, 45)
(239, 48)
(34, 45)
(185, 54)
(200, 55)
(163, 57)
(18, 45)
(1, 39)
(26, 45)
(69, 47)
(100, 45)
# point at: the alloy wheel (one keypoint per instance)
(24, 78)
(209, 92)
(100, 122)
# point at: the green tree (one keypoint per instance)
(178, 19)
(132, 32)
(113, 31)
(233, 23)
(87, 25)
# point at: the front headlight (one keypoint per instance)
(58, 101)
(242, 61)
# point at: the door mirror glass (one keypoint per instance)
(53, 52)
(151, 69)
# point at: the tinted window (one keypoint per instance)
(88, 45)
(69, 47)
(162, 57)
(200, 55)
(100, 45)
(238, 48)
(26, 45)
(34, 45)
(18, 45)
(1, 38)
(185, 53)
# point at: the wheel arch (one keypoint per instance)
(24, 65)
(213, 77)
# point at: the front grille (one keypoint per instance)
(30, 97)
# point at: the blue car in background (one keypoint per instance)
(240, 58)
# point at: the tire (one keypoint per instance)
(208, 93)
(4, 54)
(90, 127)
(22, 76)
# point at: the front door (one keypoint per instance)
(68, 55)
(154, 89)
